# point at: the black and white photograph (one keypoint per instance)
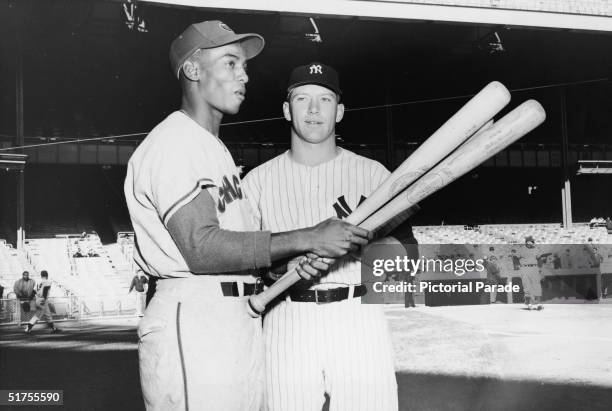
(341, 205)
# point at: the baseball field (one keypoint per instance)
(489, 357)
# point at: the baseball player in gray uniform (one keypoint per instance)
(43, 312)
(320, 340)
(531, 275)
(198, 347)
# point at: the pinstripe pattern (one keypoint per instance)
(286, 195)
(341, 348)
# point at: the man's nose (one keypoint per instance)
(313, 106)
(243, 76)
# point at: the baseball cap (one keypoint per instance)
(208, 35)
(314, 73)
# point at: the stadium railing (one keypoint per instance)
(72, 307)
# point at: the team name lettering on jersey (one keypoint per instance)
(229, 192)
(342, 208)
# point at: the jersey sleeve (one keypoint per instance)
(252, 189)
(181, 172)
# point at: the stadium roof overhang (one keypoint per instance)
(486, 12)
(90, 72)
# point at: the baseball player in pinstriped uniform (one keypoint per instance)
(198, 347)
(320, 339)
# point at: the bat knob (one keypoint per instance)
(253, 308)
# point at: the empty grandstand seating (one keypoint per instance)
(95, 280)
(512, 234)
(12, 263)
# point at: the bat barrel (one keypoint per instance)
(468, 120)
(475, 151)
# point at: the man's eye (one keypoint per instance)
(326, 99)
(231, 63)
(300, 98)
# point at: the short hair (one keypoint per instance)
(44, 273)
(25, 272)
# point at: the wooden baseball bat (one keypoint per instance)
(472, 117)
(465, 122)
(468, 156)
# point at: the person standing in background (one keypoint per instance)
(530, 275)
(140, 284)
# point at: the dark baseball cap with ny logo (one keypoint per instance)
(314, 73)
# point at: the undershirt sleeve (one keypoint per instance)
(208, 249)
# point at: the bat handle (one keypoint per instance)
(257, 303)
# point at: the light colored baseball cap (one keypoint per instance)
(208, 35)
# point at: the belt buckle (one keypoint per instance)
(317, 298)
(259, 286)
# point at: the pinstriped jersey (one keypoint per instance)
(286, 195)
(173, 164)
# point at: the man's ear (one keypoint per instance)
(191, 70)
(339, 112)
(287, 111)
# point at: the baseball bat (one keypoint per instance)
(468, 156)
(465, 122)
(471, 118)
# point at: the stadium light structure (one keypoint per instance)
(13, 161)
(316, 36)
(594, 167)
(133, 19)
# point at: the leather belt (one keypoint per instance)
(326, 296)
(230, 289)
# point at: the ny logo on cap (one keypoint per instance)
(316, 69)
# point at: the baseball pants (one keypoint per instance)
(141, 298)
(530, 277)
(341, 349)
(199, 350)
(43, 313)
